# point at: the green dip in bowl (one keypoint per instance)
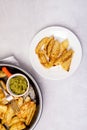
(17, 85)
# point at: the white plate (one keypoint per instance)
(61, 33)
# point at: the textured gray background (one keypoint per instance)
(64, 102)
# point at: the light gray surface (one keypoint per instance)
(64, 102)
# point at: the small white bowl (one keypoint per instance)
(8, 85)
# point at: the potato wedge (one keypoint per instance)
(59, 59)
(49, 47)
(42, 57)
(68, 54)
(55, 50)
(63, 46)
(8, 115)
(3, 109)
(66, 65)
(18, 126)
(27, 112)
(40, 44)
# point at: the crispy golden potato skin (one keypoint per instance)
(19, 120)
(43, 43)
(51, 53)
(18, 126)
(27, 112)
